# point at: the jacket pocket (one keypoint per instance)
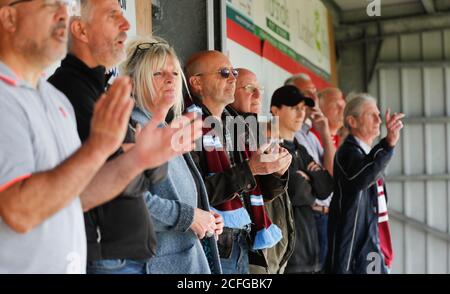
(225, 244)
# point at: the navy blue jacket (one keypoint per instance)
(353, 223)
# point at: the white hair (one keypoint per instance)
(355, 102)
(85, 14)
(302, 77)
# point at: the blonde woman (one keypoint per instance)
(157, 79)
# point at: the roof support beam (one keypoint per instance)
(335, 11)
(414, 64)
(419, 225)
(400, 26)
(418, 178)
(428, 5)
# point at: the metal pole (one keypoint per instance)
(210, 23)
(223, 25)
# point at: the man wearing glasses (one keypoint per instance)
(229, 173)
(249, 94)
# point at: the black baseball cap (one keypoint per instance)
(290, 96)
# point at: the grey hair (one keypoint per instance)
(85, 15)
(86, 9)
(141, 67)
(355, 104)
(290, 81)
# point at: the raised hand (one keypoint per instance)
(393, 125)
(110, 119)
(320, 123)
(155, 146)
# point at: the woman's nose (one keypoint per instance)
(170, 78)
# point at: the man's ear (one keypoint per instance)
(8, 19)
(78, 30)
(274, 110)
(351, 121)
(195, 84)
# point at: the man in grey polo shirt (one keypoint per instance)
(43, 169)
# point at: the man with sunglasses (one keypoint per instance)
(247, 104)
(229, 173)
(120, 234)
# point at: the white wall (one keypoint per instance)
(130, 14)
(269, 74)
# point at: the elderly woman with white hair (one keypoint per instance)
(173, 204)
(359, 234)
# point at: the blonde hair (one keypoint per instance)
(140, 65)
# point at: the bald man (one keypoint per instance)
(304, 83)
(229, 174)
(332, 103)
(247, 103)
(248, 96)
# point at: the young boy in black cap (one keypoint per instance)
(307, 179)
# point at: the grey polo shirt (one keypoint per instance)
(37, 132)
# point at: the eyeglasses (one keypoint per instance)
(144, 47)
(252, 89)
(73, 6)
(223, 72)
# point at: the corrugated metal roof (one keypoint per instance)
(346, 5)
(355, 11)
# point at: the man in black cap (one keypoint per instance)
(308, 181)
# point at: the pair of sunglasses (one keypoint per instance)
(223, 72)
(144, 47)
